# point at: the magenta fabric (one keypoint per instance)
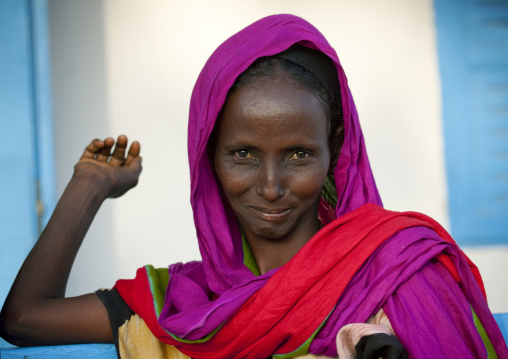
(429, 311)
(217, 230)
(218, 234)
(202, 295)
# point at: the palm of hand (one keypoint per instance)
(115, 172)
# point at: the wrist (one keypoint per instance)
(90, 185)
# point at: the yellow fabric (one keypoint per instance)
(135, 341)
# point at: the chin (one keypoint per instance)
(272, 232)
(272, 235)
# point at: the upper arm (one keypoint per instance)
(54, 321)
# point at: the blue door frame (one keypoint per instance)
(27, 176)
(473, 57)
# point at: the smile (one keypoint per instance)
(271, 214)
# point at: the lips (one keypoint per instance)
(271, 214)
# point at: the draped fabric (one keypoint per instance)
(366, 259)
(217, 231)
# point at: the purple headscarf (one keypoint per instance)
(226, 279)
(218, 234)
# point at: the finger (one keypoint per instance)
(135, 165)
(133, 155)
(118, 156)
(104, 152)
(92, 149)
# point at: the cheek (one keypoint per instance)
(234, 181)
(308, 184)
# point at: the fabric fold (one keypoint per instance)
(371, 253)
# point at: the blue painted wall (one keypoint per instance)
(88, 351)
(27, 180)
(473, 57)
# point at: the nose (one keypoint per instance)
(270, 181)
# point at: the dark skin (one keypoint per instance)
(36, 311)
(271, 158)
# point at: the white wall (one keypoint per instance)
(80, 108)
(134, 67)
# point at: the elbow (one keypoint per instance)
(14, 327)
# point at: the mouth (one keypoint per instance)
(271, 214)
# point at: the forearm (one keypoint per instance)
(45, 272)
(35, 311)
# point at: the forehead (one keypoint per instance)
(272, 106)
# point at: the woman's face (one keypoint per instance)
(272, 158)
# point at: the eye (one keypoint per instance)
(244, 154)
(299, 155)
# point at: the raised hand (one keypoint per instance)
(115, 172)
(36, 311)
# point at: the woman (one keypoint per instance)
(297, 254)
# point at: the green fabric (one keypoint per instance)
(491, 352)
(329, 192)
(304, 348)
(248, 257)
(159, 279)
(202, 340)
